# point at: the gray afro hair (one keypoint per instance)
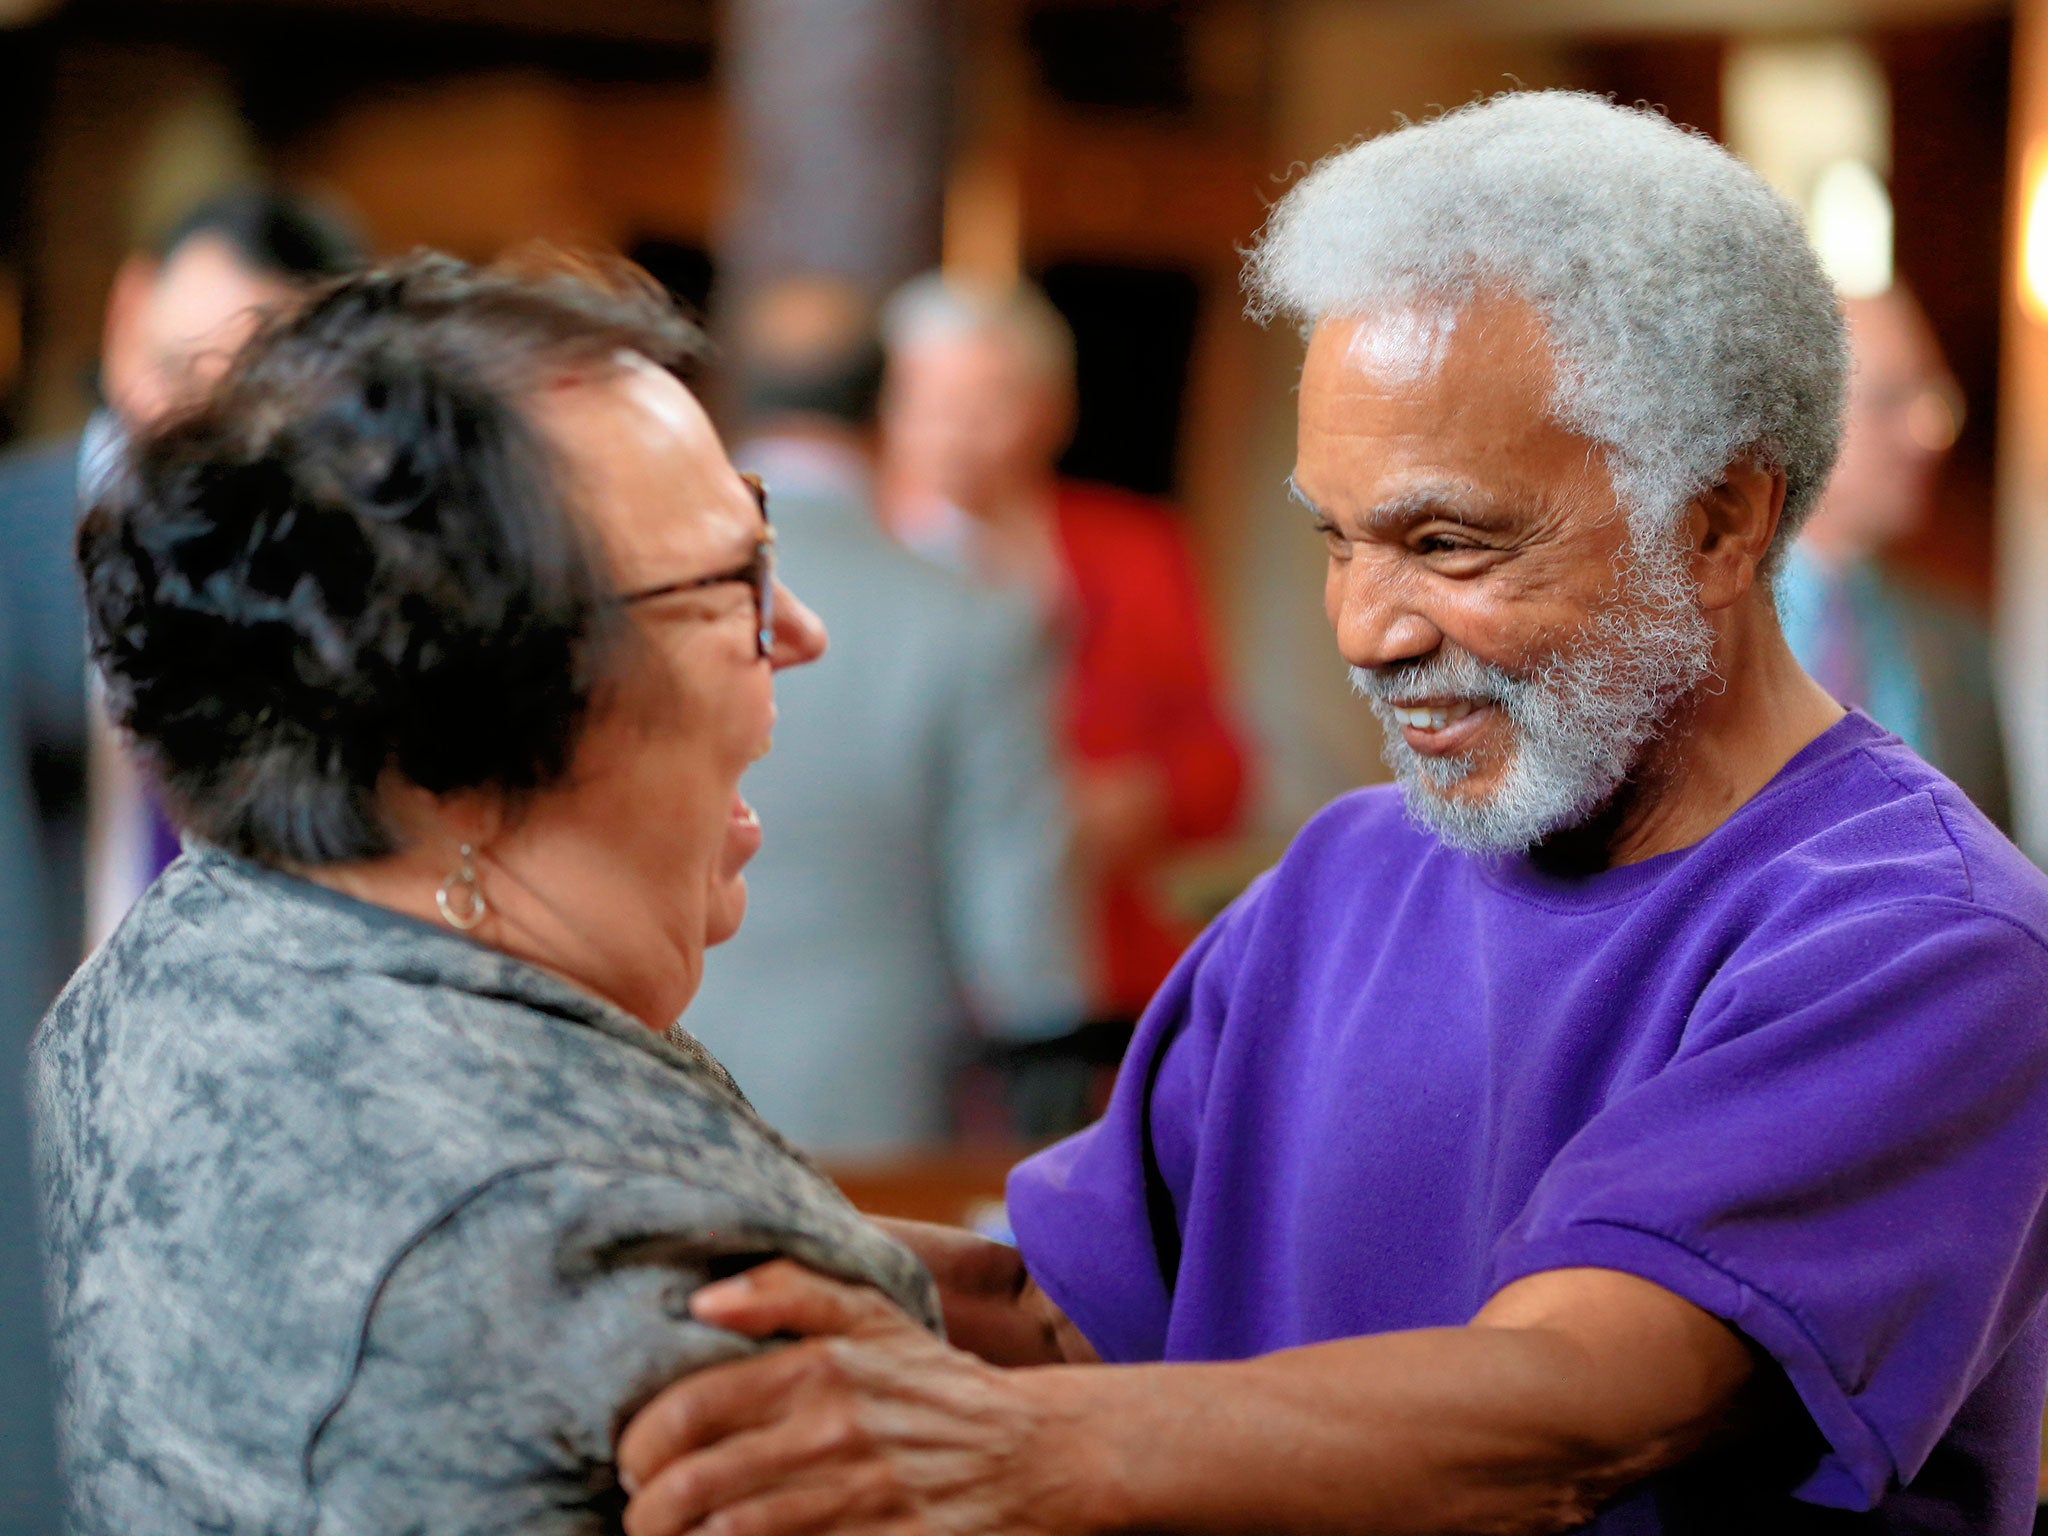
(1691, 321)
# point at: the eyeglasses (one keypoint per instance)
(758, 573)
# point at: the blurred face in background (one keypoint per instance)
(1903, 415)
(972, 419)
(172, 326)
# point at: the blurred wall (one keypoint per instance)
(1950, 88)
(469, 165)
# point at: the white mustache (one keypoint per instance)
(1449, 672)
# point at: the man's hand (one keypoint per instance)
(1567, 1388)
(992, 1305)
(869, 1423)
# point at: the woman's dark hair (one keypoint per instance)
(357, 555)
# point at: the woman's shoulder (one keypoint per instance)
(256, 1142)
(349, 1078)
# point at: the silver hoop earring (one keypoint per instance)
(460, 898)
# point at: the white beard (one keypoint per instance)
(1580, 723)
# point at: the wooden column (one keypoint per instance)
(839, 118)
(2022, 582)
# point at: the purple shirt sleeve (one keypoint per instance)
(1886, 1257)
(1098, 1216)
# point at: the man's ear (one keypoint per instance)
(1732, 525)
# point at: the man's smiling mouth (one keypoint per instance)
(1434, 716)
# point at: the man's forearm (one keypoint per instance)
(1567, 1387)
(1458, 1429)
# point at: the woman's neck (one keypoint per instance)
(517, 917)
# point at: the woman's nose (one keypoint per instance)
(799, 632)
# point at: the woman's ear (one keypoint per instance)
(423, 819)
(1732, 526)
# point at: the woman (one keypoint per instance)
(377, 1176)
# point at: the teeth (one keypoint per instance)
(1431, 718)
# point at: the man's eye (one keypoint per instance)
(1447, 544)
(1335, 542)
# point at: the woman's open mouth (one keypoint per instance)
(742, 834)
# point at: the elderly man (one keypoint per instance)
(1650, 1128)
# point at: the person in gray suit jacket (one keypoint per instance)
(28, 1484)
(379, 1176)
(915, 892)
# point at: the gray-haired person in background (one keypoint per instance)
(916, 892)
(378, 1173)
(1918, 662)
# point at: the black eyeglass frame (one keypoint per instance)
(758, 573)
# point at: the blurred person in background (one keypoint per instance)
(29, 1503)
(176, 314)
(1919, 666)
(978, 407)
(378, 1171)
(915, 890)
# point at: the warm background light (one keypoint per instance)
(2034, 236)
(1814, 115)
(1850, 213)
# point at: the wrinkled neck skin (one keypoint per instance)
(545, 892)
(1723, 744)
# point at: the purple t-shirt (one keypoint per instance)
(1797, 1074)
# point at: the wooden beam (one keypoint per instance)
(673, 23)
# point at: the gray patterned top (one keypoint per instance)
(359, 1226)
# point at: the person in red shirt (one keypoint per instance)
(978, 406)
